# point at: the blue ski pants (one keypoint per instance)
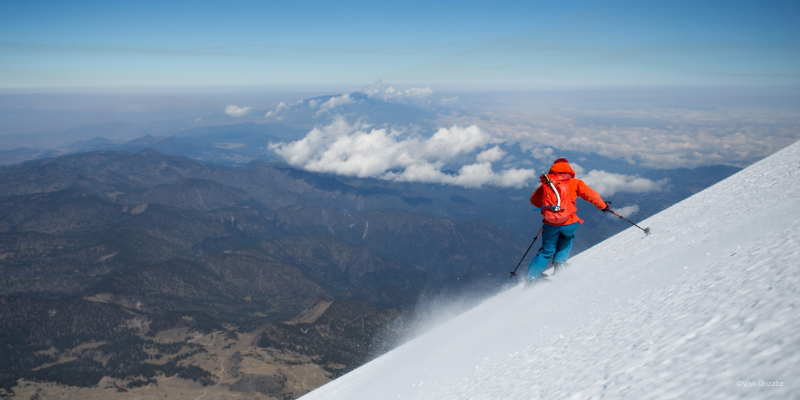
(556, 244)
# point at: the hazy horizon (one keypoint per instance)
(751, 122)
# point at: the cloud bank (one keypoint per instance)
(393, 154)
(417, 96)
(608, 183)
(235, 111)
(365, 152)
(386, 92)
(314, 104)
(650, 137)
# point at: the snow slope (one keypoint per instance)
(707, 306)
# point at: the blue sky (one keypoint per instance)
(497, 45)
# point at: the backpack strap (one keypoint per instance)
(558, 196)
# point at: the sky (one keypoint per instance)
(466, 44)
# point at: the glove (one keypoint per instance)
(607, 209)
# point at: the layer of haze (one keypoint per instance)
(651, 127)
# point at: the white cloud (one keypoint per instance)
(446, 101)
(492, 155)
(334, 102)
(475, 175)
(471, 176)
(337, 101)
(234, 111)
(281, 106)
(359, 150)
(517, 177)
(446, 143)
(626, 211)
(538, 152)
(578, 169)
(607, 183)
(418, 92)
(386, 92)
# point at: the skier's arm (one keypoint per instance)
(590, 195)
(536, 197)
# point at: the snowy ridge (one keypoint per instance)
(704, 307)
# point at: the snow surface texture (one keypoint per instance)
(706, 306)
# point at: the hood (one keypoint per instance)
(561, 166)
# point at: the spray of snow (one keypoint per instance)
(430, 312)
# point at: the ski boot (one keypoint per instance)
(529, 283)
(557, 267)
(542, 277)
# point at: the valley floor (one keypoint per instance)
(241, 370)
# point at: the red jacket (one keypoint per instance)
(576, 188)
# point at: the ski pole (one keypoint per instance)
(646, 230)
(514, 272)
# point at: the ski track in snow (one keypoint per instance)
(709, 299)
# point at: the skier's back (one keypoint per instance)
(560, 223)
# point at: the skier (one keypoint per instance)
(560, 220)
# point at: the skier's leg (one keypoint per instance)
(564, 243)
(545, 253)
